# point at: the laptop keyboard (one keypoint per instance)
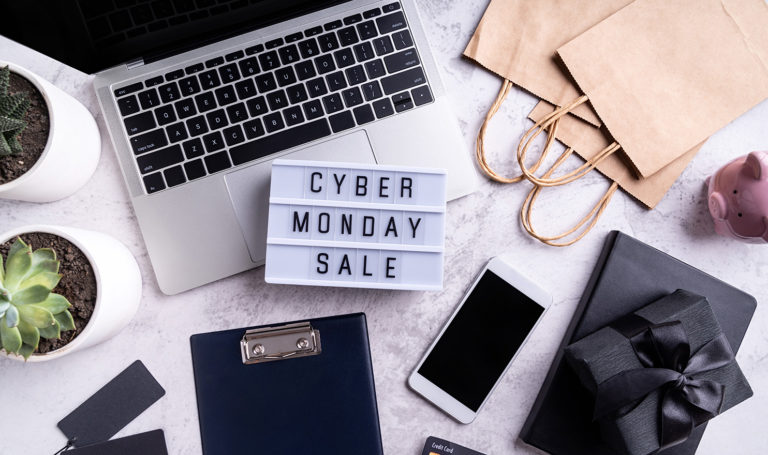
(255, 102)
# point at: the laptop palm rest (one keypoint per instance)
(249, 188)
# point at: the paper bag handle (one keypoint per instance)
(593, 215)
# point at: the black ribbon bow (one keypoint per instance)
(668, 365)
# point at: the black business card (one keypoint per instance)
(435, 446)
(149, 443)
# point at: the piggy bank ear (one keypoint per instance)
(757, 162)
(718, 206)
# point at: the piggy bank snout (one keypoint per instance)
(718, 206)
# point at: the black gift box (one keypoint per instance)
(609, 352)
(627, 275)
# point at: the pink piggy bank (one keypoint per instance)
(738, 198)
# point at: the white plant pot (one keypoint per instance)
(118, 285)
(71, 154)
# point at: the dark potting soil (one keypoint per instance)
(78, 283)
(33, 138)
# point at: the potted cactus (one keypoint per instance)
(63, 289)
(49, 142)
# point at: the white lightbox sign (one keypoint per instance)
(356, 225)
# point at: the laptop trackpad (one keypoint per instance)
(249, 188)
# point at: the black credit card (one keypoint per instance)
(149, 443)
(435, 446)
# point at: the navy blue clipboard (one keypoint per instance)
(293, 388)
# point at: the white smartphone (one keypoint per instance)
(481, 339)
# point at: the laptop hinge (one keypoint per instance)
(135, 63)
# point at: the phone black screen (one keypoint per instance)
(481, 340)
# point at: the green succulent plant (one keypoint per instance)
(13, 108)
(28, 308)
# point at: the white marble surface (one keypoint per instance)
(34, 397)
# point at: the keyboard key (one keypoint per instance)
(197, 126)
(274, 43)
(169, 92)
(313, 109)
(193, 148)
(162, 158)
(157, 80)
(154, 183)
(149, 99)
(364, 114)
(333, 103)
(402, 101)
(277, 100)
(214, 62)
(367, 30)
(375, 69)
(336, 81)
(325, 64)
(213, 142)
(401, 60)
(317, 87)
(209, 79)
(229, 73)
(391, 7)
(328, 42)
(196, 68)
(402, 39)
(353, 19)
(332, 25)
(383, 45)
(342, 121)
(356, 75)
(194, 169)
(285, 76)
(391, 22)
(226, 95)
(165, 115)
(421, 95)
(305, 70)
(185, 108)
(269, 61)
(257, 106)
(148, 142)
(128, 105)
(289, 54)
(122, 91)
(294, 37)
(245, 89)
(313, 31)
(254, 49)
(274, 122)
(297, 94)
(249, 67)
(383, 108)
(189, 86)
(308, 48)
(237, 113)
(372, 13)
(364, 51)
(233, 135)
(205, 102)
(174, 176)
(348, 36)
(253, 129)
(176, 132)
(352, 97)
(293, 115)
(173, 75)
(403, 81)
(278, 142)
(217, 119)
(139, 123)
(217, 162)
(344, 58)
(234, 56)
(372, 91)
(266, 82)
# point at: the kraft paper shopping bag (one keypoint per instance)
(665, 75)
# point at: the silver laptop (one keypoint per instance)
(200, 96)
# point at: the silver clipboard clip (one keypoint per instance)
(278, 343)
